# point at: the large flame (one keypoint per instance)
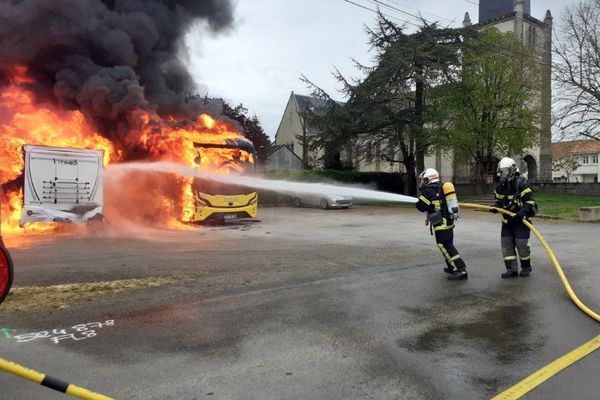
(24, 120)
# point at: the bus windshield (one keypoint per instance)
(225, 158)
(232, 157)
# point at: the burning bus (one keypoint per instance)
(110, 76)
(217, 201)
(67, 184)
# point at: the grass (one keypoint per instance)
(554, 205)
(564, 205)
(60, 296)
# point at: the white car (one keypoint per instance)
(324, 201)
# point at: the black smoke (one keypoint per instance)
(108, 57)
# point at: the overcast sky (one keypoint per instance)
(259, 62)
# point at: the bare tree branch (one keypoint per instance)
(577, 71)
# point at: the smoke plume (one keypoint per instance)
(107, 58)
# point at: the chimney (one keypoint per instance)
(467, 20)
(519, 7)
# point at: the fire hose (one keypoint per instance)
(535, 379)
(555, 262)
(49, 382)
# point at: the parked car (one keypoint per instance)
(323, 200)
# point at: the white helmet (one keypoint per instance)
(430, 175)
(507, 168)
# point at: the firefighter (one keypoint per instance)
(514, 194)
(441, 222)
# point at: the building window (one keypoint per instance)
(585, 159)
(594, 158)
(531, 36)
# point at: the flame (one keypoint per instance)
(172, 140)
(25, 120)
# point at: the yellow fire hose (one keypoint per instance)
(49, 381)
(557, 266)
(545, 373)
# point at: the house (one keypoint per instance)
(576, 161)
(295, 133)
(282, 157)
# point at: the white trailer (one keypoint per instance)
(62, 185)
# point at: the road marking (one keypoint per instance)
(6, 332)
(548, 371)
(76, 332)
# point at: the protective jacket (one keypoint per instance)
(515, 195)
(432, 201)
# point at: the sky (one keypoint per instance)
(273, 42)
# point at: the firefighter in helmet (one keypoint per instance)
(514, 194)
(441, 222)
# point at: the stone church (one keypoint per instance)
(515, 16)
(506, 16)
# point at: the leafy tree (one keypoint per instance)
(491, 111)
(577, 70)
(566, 165)
(389, 107)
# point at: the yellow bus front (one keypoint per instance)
(209, 207)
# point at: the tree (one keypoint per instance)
(252, 129)
(491, 111)
(390, 106)
(566, 165)
(577, 70)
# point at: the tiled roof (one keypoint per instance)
(562, 149)
(316, 106)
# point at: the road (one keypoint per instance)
(305, 303)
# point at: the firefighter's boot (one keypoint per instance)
(510, 272)
(459, 275)
(525, 268)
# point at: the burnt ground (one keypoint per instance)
(305, 303)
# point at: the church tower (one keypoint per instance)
(514, 16)
(490, 9)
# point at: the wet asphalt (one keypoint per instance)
(306, 303)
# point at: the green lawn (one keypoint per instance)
(564, 205)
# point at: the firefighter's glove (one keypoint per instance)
(516, 219)
(494, 210)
